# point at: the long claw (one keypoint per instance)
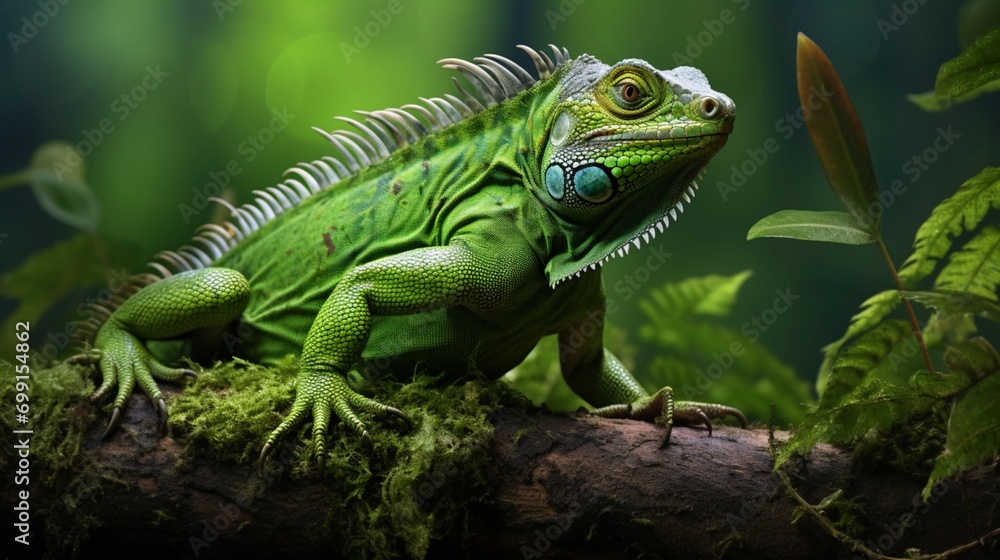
(321, 465)
(161, 410)
(400, 414)
(734, 412)
(116, 417)
(704, 420)
(265, 453)
(666, 437)
(190, 373)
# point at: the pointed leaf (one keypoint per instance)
(837, 135)
(975, 67)
(832, 227)
(960, 212)
(949, 302)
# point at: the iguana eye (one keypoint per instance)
(629, 92)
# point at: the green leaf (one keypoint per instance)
(837, 135)
(706, 295)
(930, 101)
(975, 359)
(949, 302)
(960, 212)
(60, 188)
(975, 67)
(833, 227)
(973, 431)
(873, 310)
(976, 267)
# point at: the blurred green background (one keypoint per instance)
(216, 71)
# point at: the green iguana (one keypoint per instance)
(456, 232)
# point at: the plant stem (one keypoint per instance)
(909, 308)
(13, 179)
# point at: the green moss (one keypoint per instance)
(408, 489)
(405, 491)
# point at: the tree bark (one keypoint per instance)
(565, 486)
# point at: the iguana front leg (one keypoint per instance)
(411, 282)
(596, 375)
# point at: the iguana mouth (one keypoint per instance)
(644, 235)
(659, 133)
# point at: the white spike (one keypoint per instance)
(666, 221)
(626, 248)
(695, 183)
(652, 232)
(637, 243)
(686, 197)
(673, 214)
(659, 226)
(680, 206)
(593, 266)
(690, 191)
(577, 273)
(645, 237)
(621, 252)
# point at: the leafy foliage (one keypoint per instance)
(878, 382)
(806, 225)
(704, 360)
(975, 67)
(974, 426)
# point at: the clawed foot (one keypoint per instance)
(322, 393)
(125, 362)
(662, 409)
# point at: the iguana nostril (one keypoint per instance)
(710, 108)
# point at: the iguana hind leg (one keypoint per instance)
(163, 310)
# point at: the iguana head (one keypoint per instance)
(623, 147)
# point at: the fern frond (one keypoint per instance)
(960, 212)
(868, 390)
(873, 311)
(976, 267)
(712, 295)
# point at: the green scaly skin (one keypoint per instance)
(465, 246)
